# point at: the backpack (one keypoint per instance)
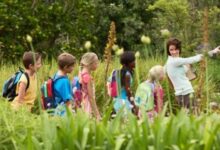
(10, 85)
(114, 84)
(144, 96)
(77, 91)
(47, 93)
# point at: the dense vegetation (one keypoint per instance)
(65, 25)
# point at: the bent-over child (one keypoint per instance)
(149, 94)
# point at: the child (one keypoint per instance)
(26, 97)
(125, 97)
(62, 86)
(149, 94)
(89, 62)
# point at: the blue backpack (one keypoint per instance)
(9, 87)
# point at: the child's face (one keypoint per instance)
(68, 69)
(36, 66)
(95, 64)
(162, 75)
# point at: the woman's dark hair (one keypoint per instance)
(175, 42)
(126, 58)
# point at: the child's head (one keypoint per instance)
(66, 62)
(29, 62)
(89, 60)
(127, 59)
(156, 73)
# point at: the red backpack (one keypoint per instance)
(47, 93)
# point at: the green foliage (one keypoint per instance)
(22, 130)
(58, 26)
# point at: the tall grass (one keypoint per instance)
(25, 130)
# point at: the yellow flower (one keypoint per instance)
(137, 54)
(29, 38)
(115, 47)
(120, 51)
(165, 33)
(87, 45)
(145, 39)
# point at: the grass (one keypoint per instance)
(24, 130)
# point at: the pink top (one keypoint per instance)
(85, 78)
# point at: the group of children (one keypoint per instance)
(148, 96)
(63, 94)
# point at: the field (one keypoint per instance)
(37, 130)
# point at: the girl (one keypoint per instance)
(149, 94)
(125, 97)
(176, 68)
(89, 62)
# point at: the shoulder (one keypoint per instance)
(61, 80)
(23, 78)
(86, 77)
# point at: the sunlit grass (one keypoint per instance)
(25, 130)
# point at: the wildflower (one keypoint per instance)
(165, 33)
(87, 45)
(137, 54)
(115, 47)
(145, 39)
(29, 38)
(120, 51)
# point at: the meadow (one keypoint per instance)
(170, 130)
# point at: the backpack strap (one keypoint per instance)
(27, 77)
(57, 78)
(28, 80)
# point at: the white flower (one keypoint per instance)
(145, 39)
(120, 51)
(165, 33)
(87, 45)
(115, 47)
(29, 38)
(137, 54)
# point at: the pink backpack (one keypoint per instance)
(114, 84)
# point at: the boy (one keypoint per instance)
(26, 96)
(62, 86)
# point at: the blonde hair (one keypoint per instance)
(66, 59)
(154, 73)
(87, 59)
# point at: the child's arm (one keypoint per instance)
(92, 100)
(21, 92)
